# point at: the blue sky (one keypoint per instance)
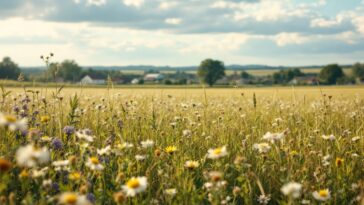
(183, 32)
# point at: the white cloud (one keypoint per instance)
(173, 21)
(324, 23)
(266, 10)
(219, 44)
(94, 2)
(223, 5)
(284, 39)
(165, 5)
(134, 3)
(349, 37)
(359, 23)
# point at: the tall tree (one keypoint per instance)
(9, 69)
(358, 71)
(284, 76)
(330, 74)
(70, 71)
(211, 70)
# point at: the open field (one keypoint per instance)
(277, 145)
(264, 72)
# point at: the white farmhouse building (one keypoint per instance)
(92, 80)
(153, 77)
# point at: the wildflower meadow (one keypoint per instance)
(84, 146)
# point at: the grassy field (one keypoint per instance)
(264, 72)
(278, 145)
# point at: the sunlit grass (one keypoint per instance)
(182, 146)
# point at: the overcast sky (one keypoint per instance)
(183, 32)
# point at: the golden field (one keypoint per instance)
(276, 145)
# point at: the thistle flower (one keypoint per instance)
(217, 152)
(322, 195)
(57, 144)
(135, 185)
(30, 156)
(68, 130)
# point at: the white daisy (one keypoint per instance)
(104, 151)
(147, 143)
(135, 185)
(140, 157)
(217, 152)
(322, 195)
(190, 164)
(272, 137)
(262, 147)
(292, 189)
(85, 135)
(328, 137)
(94, 164)
(70, 198)
(30, 156)
(11, 122)
(170, 192)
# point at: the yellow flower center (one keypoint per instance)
(171, 149)
(24, 174)
(133, 183)
(10, 118)
(44, 119)
(217, 151)
(75, 176)
(70, 199)
(94, 160)
(323, 193)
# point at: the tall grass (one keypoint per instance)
(180, 128)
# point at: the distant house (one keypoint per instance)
(118, 80)
(154, 77)
(243, 81)
(359, 81)
(309, 80)
(135, 81)
(223, 81)
(91, 79)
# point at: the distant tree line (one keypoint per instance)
(210, 71)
